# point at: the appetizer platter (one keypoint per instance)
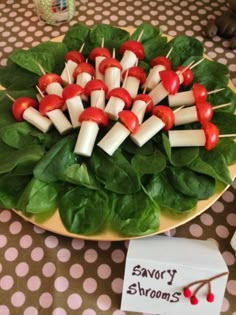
(111, 134)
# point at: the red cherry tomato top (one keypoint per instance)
(187, 75)
(94, 114)
(199, 92)
(211, 134)
(20, 105)
(204, 111)
(75, 56)
(72, 90)
(147, 99)
(161, 60)
(50, 102)
(134, 46)
(122, 94)
(48, 78)
(99, 52)
(129, 120)
(84, 67)
(95, 85)
(136, 72)
(170, 81)
(108, 63)
(165, 114)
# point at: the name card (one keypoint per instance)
(169, 276)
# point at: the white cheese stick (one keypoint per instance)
(112, 78)
(147, 130)
(67, 72)
(113, 107)
(114, 138)
(186, 116)
(54, 88)
(187, 138)
(39, 121)
(158, 93)
(98, 99)
(83, 78)
(128, 60)
(139, 108)
(75, 108)
(182, 98)
(153, 77)
(98, 74)
(86, 138)
(131, 84)
(59, 120)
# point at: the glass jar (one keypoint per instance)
(55, 11)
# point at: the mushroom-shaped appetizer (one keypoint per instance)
(132, 51)
(118, 99)
(111, 69)
(185, 75)
(90, 119)
(72, 96)
(142, 104)
(72, 58)
(133, 77)
(187, 98)
(25, 108)
(96, 89)
(169, 85)
(119, 132)
(157, 64)
(208, 137)
(202, 112)
(83, 73)
(51, 106)
(162, 118)
(97, 55)
(51, 83)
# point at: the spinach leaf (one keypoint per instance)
(227, 147)
(154, 47)
(76, 36)
(190, 183)
(79, 174)
(226, 122)
(114, 172)
(51, 167)
(211, 163)
(84, 211)
(39, 197)
(183, 48)
(148, 31)
(135, 214)
(148, 164)
(223, 97)
(164, 193)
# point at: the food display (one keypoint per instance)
(110, 156)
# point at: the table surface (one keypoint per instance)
(43, 273)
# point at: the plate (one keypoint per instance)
(167, 222)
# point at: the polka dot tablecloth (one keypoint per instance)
(43, 273)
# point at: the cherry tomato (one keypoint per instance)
(71, 90)
(187, 75)
(147, 99)
(94, 85)
(136, 72)
(99, 52)
(122, 94)
(20, 105)
(48, 78)
(161, 60)
(134, 46)
(107, 63)
(129, 119)
(199, 92)
(165, 114)
(84, 67)
(94, 114)
(75, 56)
(170, 81)
(211, 134)
(50, 102)
(204, 111)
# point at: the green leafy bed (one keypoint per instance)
(39, 173)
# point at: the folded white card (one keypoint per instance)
(170, 275)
